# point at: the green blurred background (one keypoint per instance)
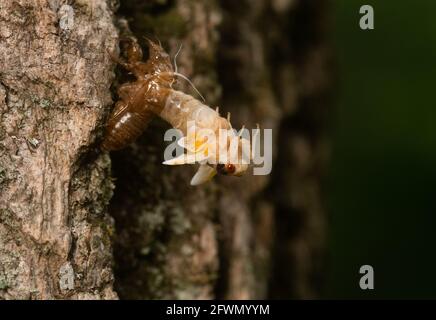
(382, 179)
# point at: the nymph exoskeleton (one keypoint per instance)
(152, 94)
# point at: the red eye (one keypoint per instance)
(225, 169)
(230, 168)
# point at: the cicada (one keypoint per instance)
(152, 94)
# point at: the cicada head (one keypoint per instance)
(236, 165)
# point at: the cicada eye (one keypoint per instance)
(225, 169)
(230, 168)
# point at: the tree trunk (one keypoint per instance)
(55, 187)
(254, 237)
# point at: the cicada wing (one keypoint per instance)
(203, 174)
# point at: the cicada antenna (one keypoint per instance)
(178, 74)
(190, 82)
(175, 57)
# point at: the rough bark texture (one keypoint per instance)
(55, 187)
(254, 237)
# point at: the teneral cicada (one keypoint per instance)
(152, 94)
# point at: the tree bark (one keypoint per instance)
(55, 186)
(254, 237)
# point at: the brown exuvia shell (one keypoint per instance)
(141, 99)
